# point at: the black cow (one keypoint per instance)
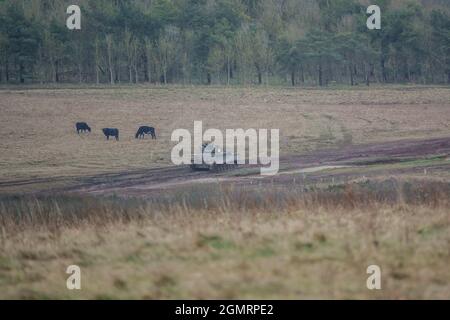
(111, 132)
(145, 130)
(82, 127)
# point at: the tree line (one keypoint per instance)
(227, 42)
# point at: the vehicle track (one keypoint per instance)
(141, 182)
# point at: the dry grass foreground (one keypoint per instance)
(38, 136)
(303, 245)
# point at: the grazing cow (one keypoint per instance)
(111, 132)
(145, 130)
(82, 127)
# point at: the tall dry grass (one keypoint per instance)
(227, 243)
(19, 213)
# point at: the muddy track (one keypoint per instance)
(141, 182)
(388, 152)
(159, 180)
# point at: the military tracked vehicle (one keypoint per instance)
(198, 162)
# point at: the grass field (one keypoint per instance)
(270, 244)
(39, 140)
(306, 233)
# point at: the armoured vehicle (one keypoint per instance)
(198, 162)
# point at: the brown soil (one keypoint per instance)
(337, 165)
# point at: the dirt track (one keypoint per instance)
(313, 165)
(143, 182)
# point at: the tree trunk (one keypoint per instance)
(302, 75)
(320, 75)
(56, 71)
(372, 71)
(165, 74)
(149, 65)
(430, 68)
(97, 62)
(407, 72)
(136, 73)
(40, 66)
(21, 71)
(395, 68)
(130, 71)
(146, 69)
(352, 81)
(208, 77)
(7, 70)
(110, 59)
(228, 70)
(80, 72)
(383, 70)
(293, 77)
(148, 60)
(135, 56)
(2, 70)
